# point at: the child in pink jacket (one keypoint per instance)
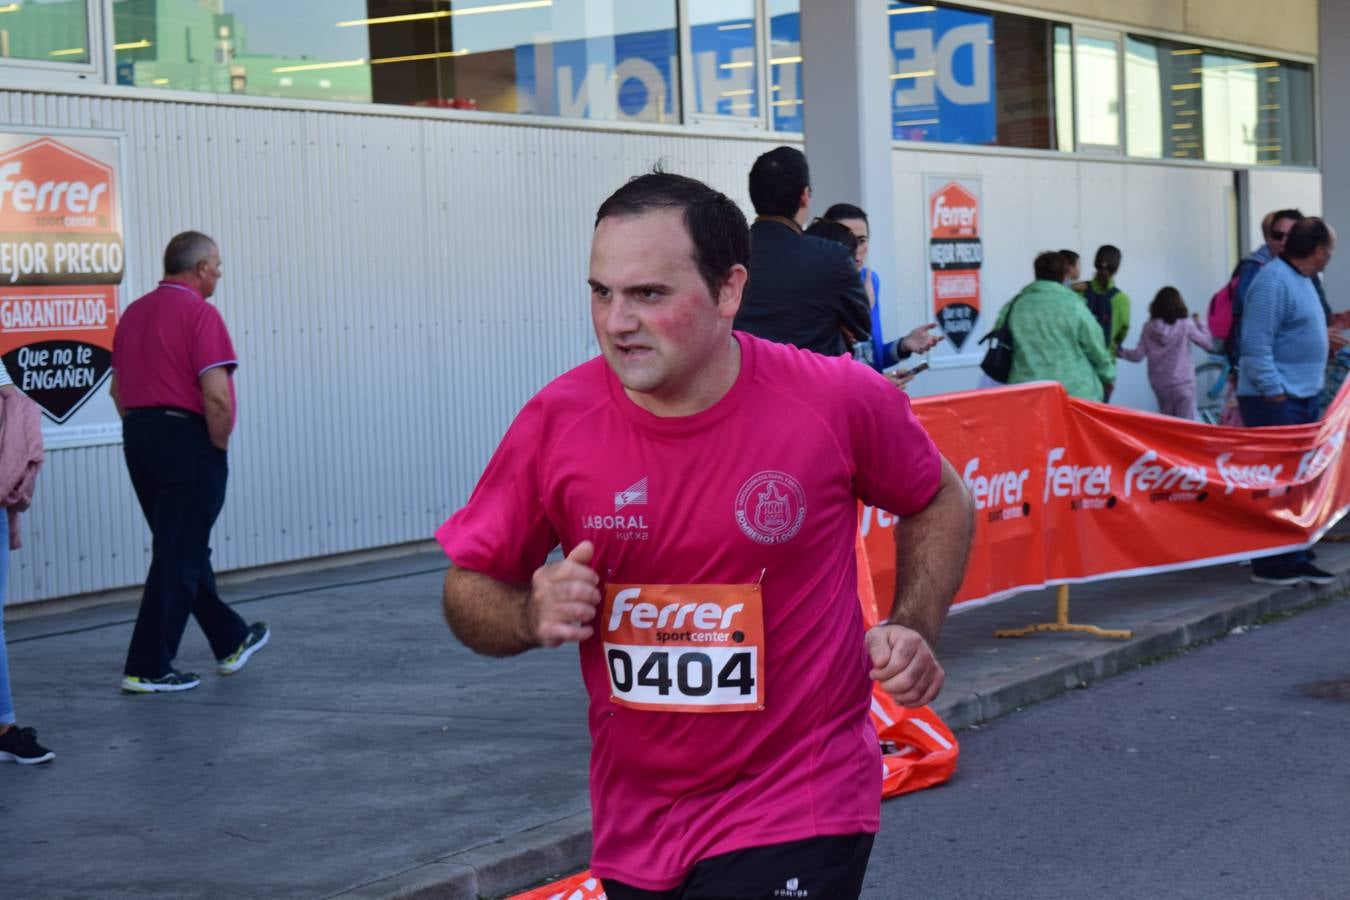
(1166, 343)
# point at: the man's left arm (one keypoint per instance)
(855, 313)
(1120, 318)
(932, 547)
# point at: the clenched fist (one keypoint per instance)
(563, 599)
(904, 665)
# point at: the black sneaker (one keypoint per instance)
(1284, 577)
(173, 681)
(258, 635)
(1313, 575)
(20, 745)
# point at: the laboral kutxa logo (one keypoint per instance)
(61, 259)
(770, 507)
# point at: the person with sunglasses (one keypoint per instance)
(1275, 229)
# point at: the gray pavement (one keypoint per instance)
(364, 754)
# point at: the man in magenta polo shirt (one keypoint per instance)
(172, 364)
(704, 484)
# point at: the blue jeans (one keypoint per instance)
(1259, 413)
(6, 701)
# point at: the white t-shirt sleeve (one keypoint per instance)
(4, 376)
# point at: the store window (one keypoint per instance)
(785, 65)
(1062, 66)
(596, 59)
(1162, 100)
(972, 77)
(55, 31)
(1189, 102)
(724, 58)
(1097, 77)
(733, 61)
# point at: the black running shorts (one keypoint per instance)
(820, 868)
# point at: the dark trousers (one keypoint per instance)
(179, 477)
(1259, 413)
(832, 866)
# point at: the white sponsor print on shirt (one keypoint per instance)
(633, 496)
(792, 889)
(622, 527)
(770, 507)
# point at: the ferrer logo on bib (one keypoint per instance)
(685, 647)
(771, 507)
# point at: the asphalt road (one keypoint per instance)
(1208, 775)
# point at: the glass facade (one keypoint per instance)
(573, 58)
(971, 77)
(785, 64)
(1097, 77)
(724, 57)
(957, 75)
(45, 31)
(1189, 102)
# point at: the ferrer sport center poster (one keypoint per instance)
(61, 262)
(955, 253)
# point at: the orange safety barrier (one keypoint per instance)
(1071, 491)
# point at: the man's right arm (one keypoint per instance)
(116, 398)
(218, 404)
(1258, 339)
(499, 619)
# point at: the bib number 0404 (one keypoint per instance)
(682, 677)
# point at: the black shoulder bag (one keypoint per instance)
(998, 359)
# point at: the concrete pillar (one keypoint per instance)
(847, 119)
(1333, 76)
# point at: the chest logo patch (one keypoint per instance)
(771, 507)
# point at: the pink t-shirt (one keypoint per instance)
(677, 501)
(164, 342)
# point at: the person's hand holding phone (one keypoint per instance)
(901, 377)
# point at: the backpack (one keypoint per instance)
(1221, 309)
(1100, 307)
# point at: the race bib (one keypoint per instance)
(685, 647)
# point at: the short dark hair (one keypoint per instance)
(1070, 257)
(777, 180)
(715, 224)
(834, 231)
(1294, 214)
(845, 211)
(185, 251)
(1168, 306)
(1050, 266)
(1107, 259)
(1306, 236)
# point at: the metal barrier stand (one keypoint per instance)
(1061, 623)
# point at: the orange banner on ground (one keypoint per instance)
(1069, 491)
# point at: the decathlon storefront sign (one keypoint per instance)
(61, 261)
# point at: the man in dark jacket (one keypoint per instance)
(802, 290)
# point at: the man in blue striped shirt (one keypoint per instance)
(1284, 355)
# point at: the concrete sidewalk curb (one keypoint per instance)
(515, 862)
(1058, 672)
(502, 866)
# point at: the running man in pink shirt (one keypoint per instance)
(704, 485)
